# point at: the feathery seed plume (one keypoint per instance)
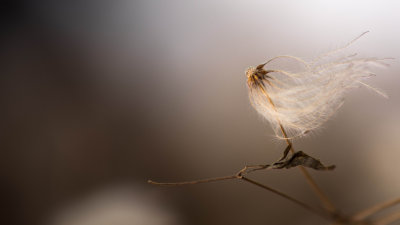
(298, 102)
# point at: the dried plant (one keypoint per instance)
(296, 103)
(302, 101)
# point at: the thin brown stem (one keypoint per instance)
(388, 219)
(324, 199)
(328, 205)
(238, 175)
(298, 202)
(209, 180)
(375, 209)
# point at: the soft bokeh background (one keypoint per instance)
(99, 96)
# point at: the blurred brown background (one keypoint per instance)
(99, 96)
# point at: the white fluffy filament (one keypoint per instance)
(302, 101)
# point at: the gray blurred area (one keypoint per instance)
(99, 96)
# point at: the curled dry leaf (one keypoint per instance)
(302, 159)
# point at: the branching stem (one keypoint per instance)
(240, 175)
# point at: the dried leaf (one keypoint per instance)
(302, 159)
